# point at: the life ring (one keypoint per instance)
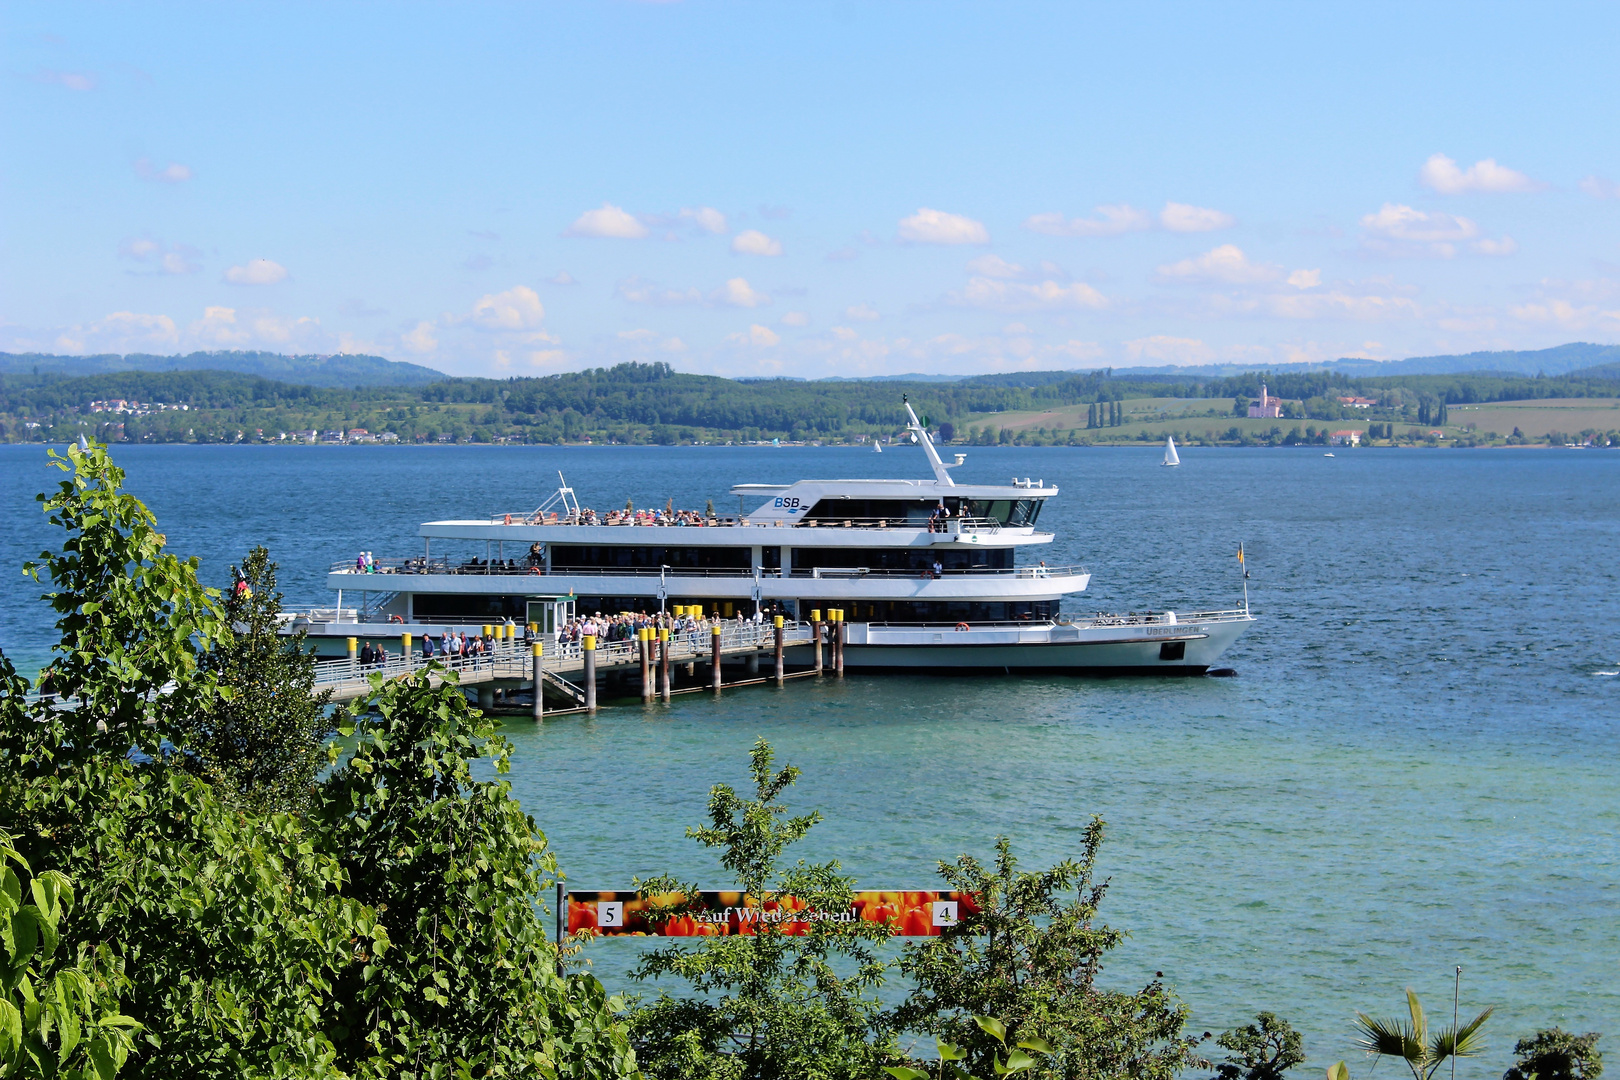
(396, 618)
(534, 570)
(963, 626)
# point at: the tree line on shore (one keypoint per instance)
(652, 403)
(207, 872)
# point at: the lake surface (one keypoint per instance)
(1416, 767)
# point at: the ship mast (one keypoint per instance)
(920, 433)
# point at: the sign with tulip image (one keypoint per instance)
(718, 914)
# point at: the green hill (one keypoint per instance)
(337, 370)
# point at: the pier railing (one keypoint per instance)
(513, 659)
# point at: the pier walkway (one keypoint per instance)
(512, 661)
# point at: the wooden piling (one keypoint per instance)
(778, 629)
(588, 649)
(538, 651)
(815, 635)
(644, 645)
(663, 661)
(716, 679)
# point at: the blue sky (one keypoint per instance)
(815, 189)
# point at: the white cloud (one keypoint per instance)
(1180, 217)
(1337, 306)
(122, 331)
(172, 173)
(420, 338)
(706, 218)
(548, 358)
(1170, 350)
(1567, 316)
(1305, 279)
(758, 336)
(256, 272)
(738, 293)
(82, 81)
(1417, 231)
(1441, 174)
(636, 291)
(608, 221)
(1599, 188)
(862, 313)
(1225, 265)
(795, 318)
(518, 308)
(994, 295)
(994, 266)
(844, 333)
(563, 277)
(162, 258)
(937, 227)
(637, 335)
(754, 242)
(1110, 220)
(218, 326)
(1504, 246)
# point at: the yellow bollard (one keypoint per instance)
(663, 662)
(405, 641)
(538, 651)
(354, 650)
(779, 662)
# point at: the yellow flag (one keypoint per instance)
(1240, 554)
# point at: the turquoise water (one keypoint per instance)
(1415, 768)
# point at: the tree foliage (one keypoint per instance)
(252, 937)
(1029, 954)
(771, 1004)
(58, 1008)
(1556, 1054)
(1263, 1050)
(262, 746)
(453, 866)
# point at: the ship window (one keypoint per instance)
(770, 558)
(574, 557)
(1172, 650)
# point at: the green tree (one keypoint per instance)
(768, 1005)
(1029, 955)
(262, 746)
(232, 922)
(56, 1018)
(469, 983)
(1556, 1054)
(1263, 1050)
(1411, 1041)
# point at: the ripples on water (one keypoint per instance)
(1416, 767)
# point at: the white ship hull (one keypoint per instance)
(1139, 644)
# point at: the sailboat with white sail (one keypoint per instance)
(1171, 458)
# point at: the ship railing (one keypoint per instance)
(531, 517)
(1148, 618)
(943, 525)
(1019, 572)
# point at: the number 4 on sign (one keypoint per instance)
(944, 912)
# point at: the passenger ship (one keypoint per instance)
(928, 574)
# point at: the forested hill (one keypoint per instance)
(641, 403)
(336, 370)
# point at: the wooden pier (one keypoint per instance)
(573, 670)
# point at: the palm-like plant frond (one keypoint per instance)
(1460, 1042)
(1409, 1039)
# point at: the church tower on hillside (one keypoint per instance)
(1267, 406)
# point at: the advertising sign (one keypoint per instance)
(717, 914)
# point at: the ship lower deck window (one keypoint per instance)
(576, 557)
(912, 559)
(1172, 650)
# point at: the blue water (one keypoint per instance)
(1415, 769)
